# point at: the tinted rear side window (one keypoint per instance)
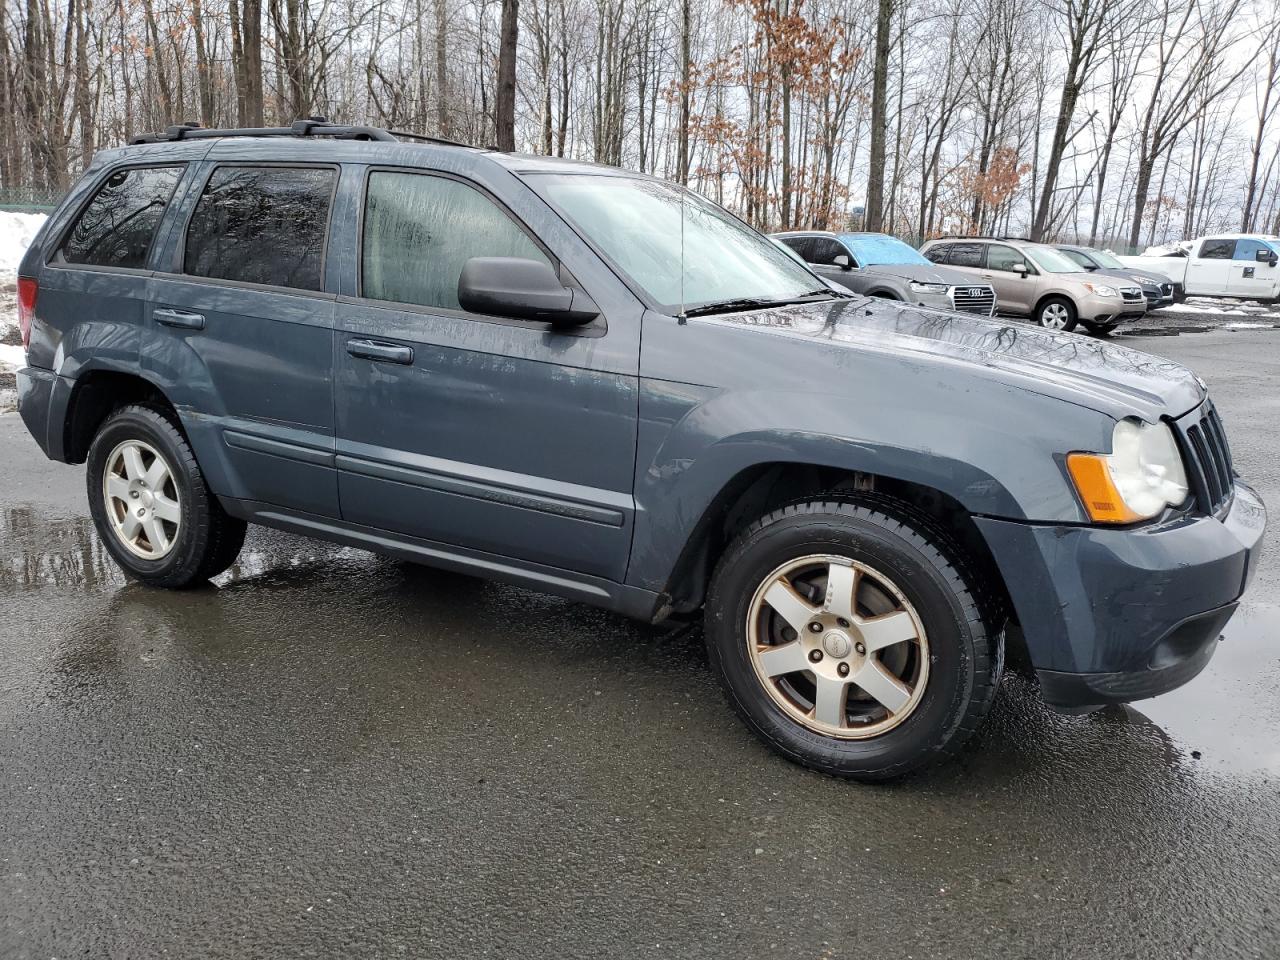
(118, 225)
(1217, 249)
(419, 232)
(938, 253)
(262, 225)
(803, 246)
(967, 255)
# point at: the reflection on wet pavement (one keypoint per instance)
(325, 743)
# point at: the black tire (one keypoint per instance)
(1100, 329)
(208, 539)
(1043, 308)
(965, 634)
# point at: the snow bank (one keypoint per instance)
(17, 230)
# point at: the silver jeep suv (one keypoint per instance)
(1035, 280)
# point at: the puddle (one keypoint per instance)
(1223, 722)
(1227, 719)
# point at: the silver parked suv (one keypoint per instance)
(1035, 280)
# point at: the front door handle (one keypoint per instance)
(381, 352)
(180, 318)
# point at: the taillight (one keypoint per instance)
(27, 290)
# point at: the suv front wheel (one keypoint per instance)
(848, 636)
(1057, 313)
(150, 504)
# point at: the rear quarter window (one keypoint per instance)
(263, 225)
(938, 253)
(118, 225)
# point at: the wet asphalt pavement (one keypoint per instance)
(329, 754)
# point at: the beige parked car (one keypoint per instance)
(1035, 280)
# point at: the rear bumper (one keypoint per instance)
(1112, 616)
(38, 391)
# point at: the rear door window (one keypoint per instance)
(119, 223)
(803, 246)
(967, 255)
(419, 232)
(1217, 249)
(262, 225)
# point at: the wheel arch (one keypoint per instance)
(97, 394)
(764, 487)
(1065, 298)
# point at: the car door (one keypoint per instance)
(1209, 269)
(240, 332)
(1250, 277)
(1015, 289)
(508, 438)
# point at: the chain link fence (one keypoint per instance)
(28, 200)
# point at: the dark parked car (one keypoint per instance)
(593, 383)
(879, 265)
(1157, 289)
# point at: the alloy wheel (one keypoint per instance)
(1054, 316)
(837, 646)
(141, 499)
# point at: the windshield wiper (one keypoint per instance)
(753, 303)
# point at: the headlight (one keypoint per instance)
(1102, 290)
(940, 289)
(1141, 476)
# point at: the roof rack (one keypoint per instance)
(310, 127)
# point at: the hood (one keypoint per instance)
(1134, 276)
(1093, 373)
(925, 273)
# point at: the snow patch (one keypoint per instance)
(17, 230)
(11, 358)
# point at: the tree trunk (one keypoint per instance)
(682, 149)
(504, 113)
(442, 69)
(874, 218)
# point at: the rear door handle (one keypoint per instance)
(180, 318)
(381, 352)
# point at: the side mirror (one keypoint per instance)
(1269, 257)
(842, 261)
(1090, 267)
(523, 290)
(1020, 268)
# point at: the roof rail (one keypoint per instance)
(310, 127)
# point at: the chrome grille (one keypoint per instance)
(1131, 294)
(975, 299)
(1208, 458)
(1166, 290)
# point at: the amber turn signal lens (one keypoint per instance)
(1093, 482)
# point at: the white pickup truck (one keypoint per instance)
(1223, 265)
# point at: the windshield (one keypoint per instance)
(1051, 261)
(1107, 260)
(873, 248)
(637, 224)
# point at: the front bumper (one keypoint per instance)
(1115, 615)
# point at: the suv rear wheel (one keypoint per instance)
(848, 637)
(1056, 313)
(150, 503)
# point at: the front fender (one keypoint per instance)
(992, 450)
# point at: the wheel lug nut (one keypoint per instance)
(843, 622)
(815, 655)
(134, 494)
(815, 627)
(843, 669)
(861, 648)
